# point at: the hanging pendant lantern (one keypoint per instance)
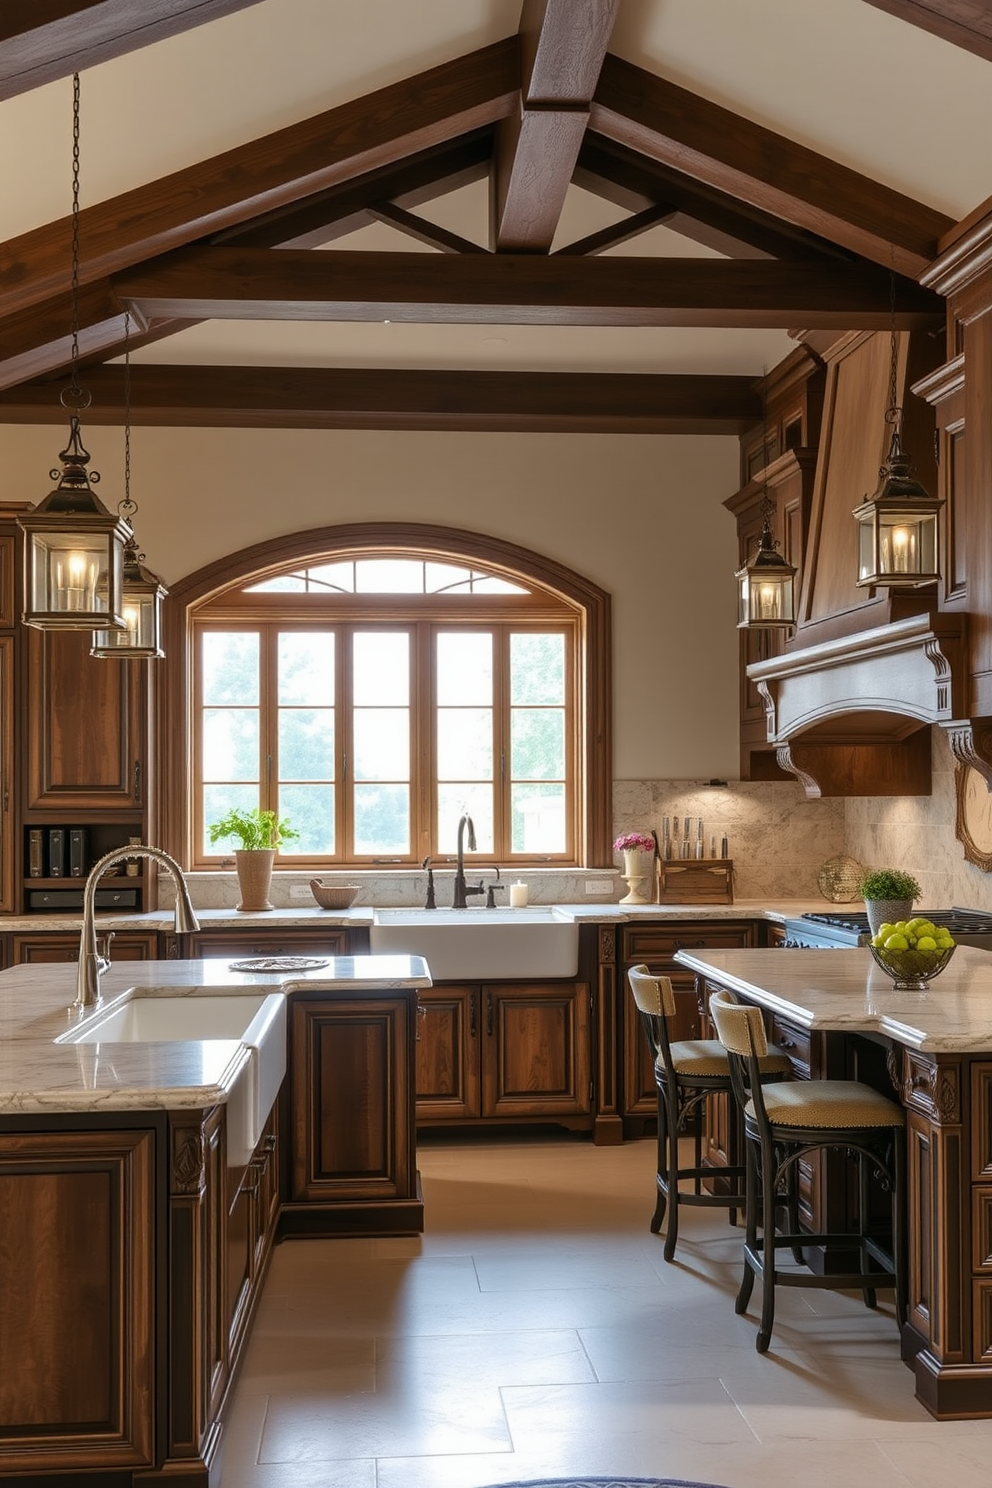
(898, 531)
(143, 592)
(143, 597)
(766, 585)
(74, 548)
(73, 552)
(898, 537)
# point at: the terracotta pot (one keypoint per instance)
(255, 877)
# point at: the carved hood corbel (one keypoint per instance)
(971, 744)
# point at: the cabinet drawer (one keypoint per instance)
(794, 1041)
(236, 945)
(659, 943)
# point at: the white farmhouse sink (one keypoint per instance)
(481, 944)
(257, 1019)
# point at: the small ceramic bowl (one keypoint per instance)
(334, 896)
(912, 970)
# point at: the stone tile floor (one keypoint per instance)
(535, 1330)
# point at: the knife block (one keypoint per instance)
(696, 881)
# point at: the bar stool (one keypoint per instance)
(686, 1073)
(783, 1123)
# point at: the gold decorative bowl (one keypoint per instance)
(334, 896)
(912, 970)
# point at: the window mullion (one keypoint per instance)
(501, 742)
(344, 743)
(268, 733)
(423, 743)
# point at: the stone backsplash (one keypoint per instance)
(776, 837)
(917, 833)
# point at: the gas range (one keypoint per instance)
(850, 928)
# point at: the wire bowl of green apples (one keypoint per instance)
(912, 952)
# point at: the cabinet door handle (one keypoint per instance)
(471, 1015)
(137, 780)
(489, 1014)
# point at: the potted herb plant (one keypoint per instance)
(260, 833)
(888, 894)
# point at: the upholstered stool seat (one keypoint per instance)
(687, 1073)
(786, 1123)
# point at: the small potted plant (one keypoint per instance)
(888, 894)
(638, 861)
(260, 833)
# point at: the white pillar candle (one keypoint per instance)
(518, 895)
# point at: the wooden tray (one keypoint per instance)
(696, 881)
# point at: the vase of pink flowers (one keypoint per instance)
(638, 851)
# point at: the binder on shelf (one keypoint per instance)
(77, 852)
(56, 852)
(36, 853)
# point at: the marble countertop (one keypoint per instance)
(39, 1075)
(845, 990)
(362, 915)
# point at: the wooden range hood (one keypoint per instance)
(849, 716)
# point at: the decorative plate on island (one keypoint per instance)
(839, 877)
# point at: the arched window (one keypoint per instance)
(371, 684)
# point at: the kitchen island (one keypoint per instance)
(135, 1226)
(934, 1049)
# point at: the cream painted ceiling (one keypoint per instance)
(840, 76)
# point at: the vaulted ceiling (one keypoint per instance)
(536, 185)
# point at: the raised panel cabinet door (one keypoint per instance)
(86, 727)
(77, 1302)
(448, 1043)
(8, 558)
(536, 1050)
(7, 855)
(352, 1086)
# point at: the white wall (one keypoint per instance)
(641, 516)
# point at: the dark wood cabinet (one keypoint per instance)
(508, 1051)
(238, 944)
(127, 945)
(8, 813)
(101, 766)
(352, 1137)
(654, 945)
(77, 1302)
(449, 1072)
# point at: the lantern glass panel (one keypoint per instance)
(70, 572)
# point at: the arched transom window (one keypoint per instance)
(373, 697)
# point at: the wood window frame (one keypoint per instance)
(552, 586)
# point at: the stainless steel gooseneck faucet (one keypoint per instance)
(91, 963)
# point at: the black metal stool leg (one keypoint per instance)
(660, 1202)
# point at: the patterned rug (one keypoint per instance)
(603, 1483)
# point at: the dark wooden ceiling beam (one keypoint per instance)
(620, 232)
(707, 216)
(677, 128)
(964, 23)
(38, 341)
(360, 398)
(562, 46)
(41, 40)
(286, 166)
(332, 214)
(422, 230)
(521, 289)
